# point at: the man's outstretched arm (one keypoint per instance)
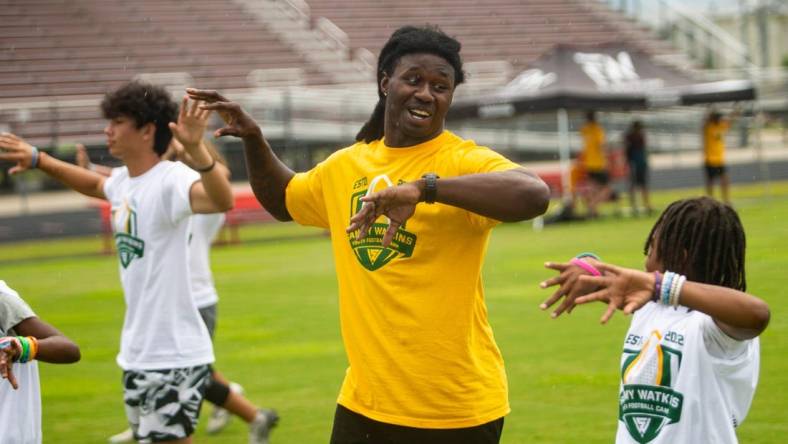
(268, 176)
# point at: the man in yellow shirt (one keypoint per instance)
(410, 207)
(714, 131)
(594, 160)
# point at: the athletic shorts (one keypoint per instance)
(599, 177)
(163, 405)
(713, 171)
(208, 315)
(353, 428)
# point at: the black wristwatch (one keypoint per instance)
(430, 187)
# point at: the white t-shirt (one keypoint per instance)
(204, 229)
(683, 381)
(151, 213)
(20, 410)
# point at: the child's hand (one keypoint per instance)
(622, 288)
(9, 350)
(570, 287)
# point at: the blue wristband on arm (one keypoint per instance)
(34, 158)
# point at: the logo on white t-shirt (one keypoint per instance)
(370, 251)
(124, 219)
(647, 402)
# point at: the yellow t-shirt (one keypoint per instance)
(413, 317)
(714, 142)
(593, 147)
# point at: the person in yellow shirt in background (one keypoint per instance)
(594, 158)
(714, 131)
(410, 207)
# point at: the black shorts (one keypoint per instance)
(353, 428)
(599, 177)
(715, 171)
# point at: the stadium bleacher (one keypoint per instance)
(59, 51)
(512, 30)
(57, 57)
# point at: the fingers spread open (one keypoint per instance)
(358, 220)
(566, 304)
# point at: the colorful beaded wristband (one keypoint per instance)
(670, 289)
(665, 291)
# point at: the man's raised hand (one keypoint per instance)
(236, 121)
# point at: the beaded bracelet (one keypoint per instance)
(679, 285)
(674, 294)
(669, 289)
(665, 291)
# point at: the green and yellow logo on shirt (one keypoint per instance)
(129, 246)
(647, 402)
(370, 251)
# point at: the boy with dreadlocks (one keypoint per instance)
(424, 366)
(691, 356)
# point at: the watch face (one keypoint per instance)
(430, 187)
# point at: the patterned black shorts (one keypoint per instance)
(163, 405)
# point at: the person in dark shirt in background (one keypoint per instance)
(637, 159)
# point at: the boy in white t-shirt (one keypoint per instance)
(165, 349)
(227, 397)
(690, 362)
(25, 338)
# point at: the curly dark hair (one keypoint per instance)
(409, 40)
(703, 239)
(145, 103)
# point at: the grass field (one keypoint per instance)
(278, 331)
